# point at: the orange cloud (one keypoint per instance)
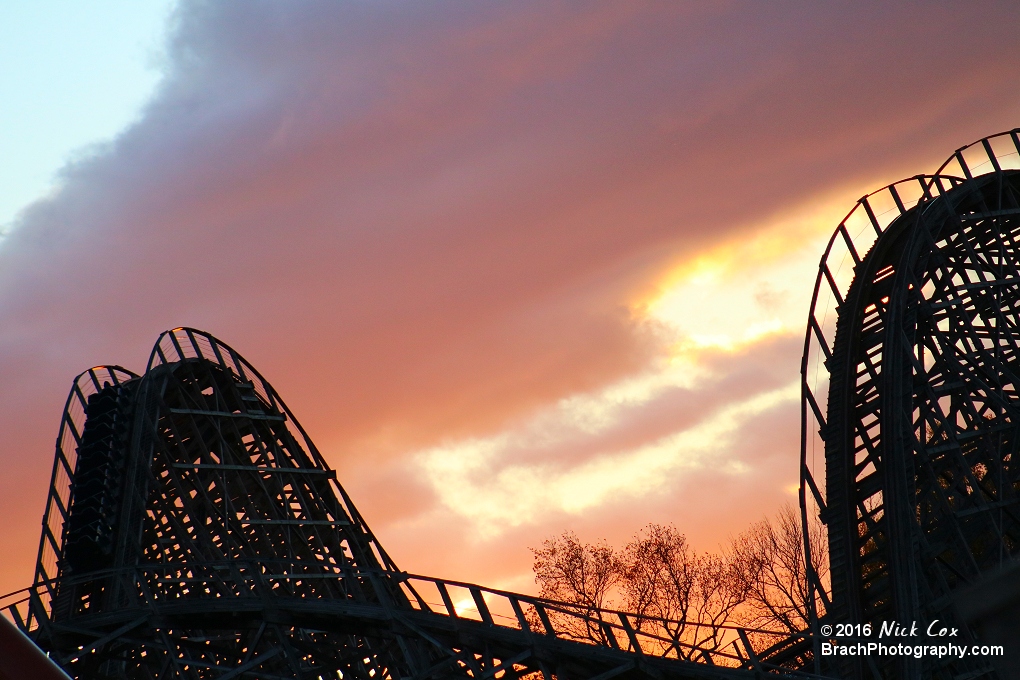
(433, 224)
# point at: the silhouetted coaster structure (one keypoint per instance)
(913, 353)
(193, 530)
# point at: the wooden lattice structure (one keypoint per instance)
(911, 402)
(193, 530)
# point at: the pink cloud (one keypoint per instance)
(426, 222)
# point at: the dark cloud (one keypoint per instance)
(425, 221)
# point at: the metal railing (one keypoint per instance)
(427, 600)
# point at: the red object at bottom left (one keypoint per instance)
(20, 659)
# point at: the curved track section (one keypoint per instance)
(193, 530)
(910, 409)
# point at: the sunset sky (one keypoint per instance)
(517, 267)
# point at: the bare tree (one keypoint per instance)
(687, 595)
(661, 572)
(768, 561)
(759, 581)
(720, 594)
(581, 574)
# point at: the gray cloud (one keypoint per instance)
(423, 221)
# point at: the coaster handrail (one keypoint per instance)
(719, 644)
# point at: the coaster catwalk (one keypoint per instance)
(193, 530)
